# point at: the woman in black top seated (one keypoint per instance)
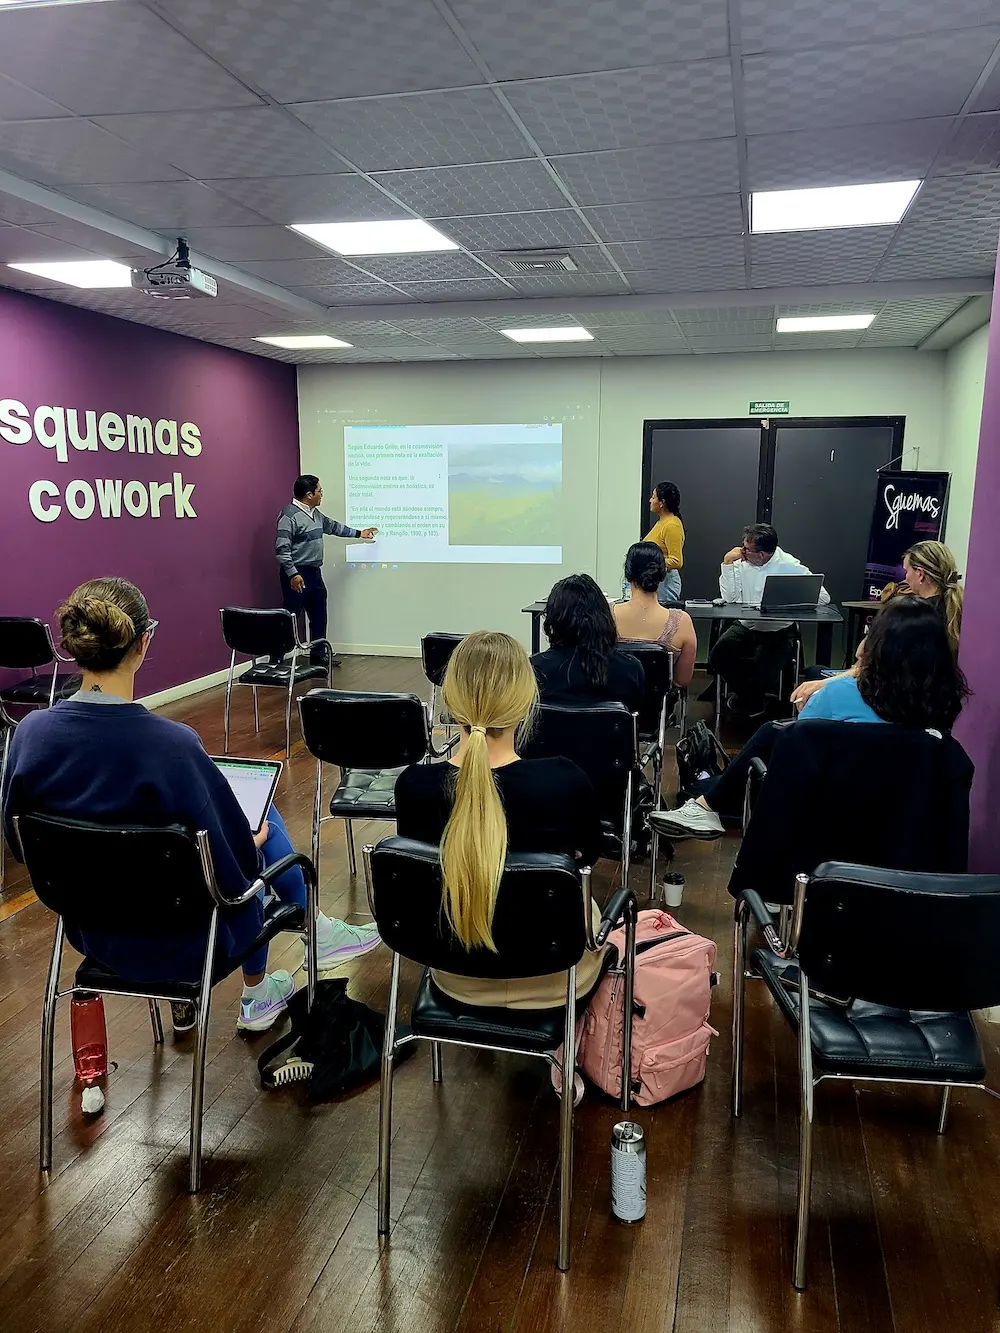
(486, 801)
(583, 663)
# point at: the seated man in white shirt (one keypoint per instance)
(749, 656)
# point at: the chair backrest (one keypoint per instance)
(24, 643)
(600, 738)
(364, 729)
(538, 924)
(122, 880)
(435, 654)
(904, 939)
(868, 794)
(657, 669)
(258, 633)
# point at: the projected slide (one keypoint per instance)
(455, 494)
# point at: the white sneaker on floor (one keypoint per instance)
(691, 820)
(259, 1015)
(344, 943)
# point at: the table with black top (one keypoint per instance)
(857, 614)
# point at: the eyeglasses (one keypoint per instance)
(150, 630)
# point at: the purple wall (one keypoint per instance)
(979, 726)
(245, 410)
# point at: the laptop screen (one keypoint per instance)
(253, 782)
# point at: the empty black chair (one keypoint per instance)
(435, 654)
(601, 739)
(26, 645)
(658, 702)
(267, 637)
(879, 978)
(542, 924)
(150, 882)
(371, 737)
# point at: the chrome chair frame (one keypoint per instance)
(392, 1044)
(56, 658)
(202, 1001)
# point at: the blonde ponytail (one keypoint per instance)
(489, 687)
(938, 563)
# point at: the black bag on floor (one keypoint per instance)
(699, 756)
(336, 1047)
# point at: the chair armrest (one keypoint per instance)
(267, 877)
(445, 749)
(317, 643)
(613, 913)
(755, 775)
(768, 928)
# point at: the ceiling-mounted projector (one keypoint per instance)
(175, 279)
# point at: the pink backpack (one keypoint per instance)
(674, 974)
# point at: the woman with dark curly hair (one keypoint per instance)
(583, 664)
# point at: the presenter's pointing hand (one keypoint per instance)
(368, 533)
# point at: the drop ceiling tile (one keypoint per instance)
(570, 284)
(815, 342)
(627, 108)
(711, 277)
(711, 317)
(471, 289)
(905, 323)
(940, 250)
(117, 57)
(325, 271)
(551, 351)
(864, 84)
(730, 329)
(988, 98)
(439, 129)
(426, 353)
(728, 345)
(631, 175)
(445, 266)
(523, 40)
(345, 291)
(167, 205)
(669, 254)
(711, 215)
(22, 214)
(508, 351)
(850, 255)
(957, 199)
(860, 306)
(643, 341)
(799, 25)
(975, 147)
(340, 197)
(504, 187)
(234, 244)
(614, 321)
(505, 320)
(252, 141)
(805, 158)
(432, 330)
(587, 258)
(18, 102)
(542, 229)
(18, 245)
(60, 152)
(302, 50)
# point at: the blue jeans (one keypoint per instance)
(290, 887)
(670, 589)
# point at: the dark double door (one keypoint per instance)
(814, 479)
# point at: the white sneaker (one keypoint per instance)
(691, 820)
(259, 1015)
(344, 943)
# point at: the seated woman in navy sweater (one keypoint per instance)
(98, 756)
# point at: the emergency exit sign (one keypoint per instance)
(770, 408)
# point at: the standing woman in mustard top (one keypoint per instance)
(668, 534)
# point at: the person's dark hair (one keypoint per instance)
(908, 672)
(669, 496)
(101, 621)
(763, 536)
(577, 616)
(304, 485)
(645, 566)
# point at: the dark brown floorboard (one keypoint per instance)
(905, 1234)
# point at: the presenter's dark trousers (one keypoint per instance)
(749, 660)
(311, 600)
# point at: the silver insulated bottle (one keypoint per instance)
(628, 1172)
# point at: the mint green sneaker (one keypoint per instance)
(259, 1015)
(344, 943)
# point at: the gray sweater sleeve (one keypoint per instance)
(283, 544)
(334, 529)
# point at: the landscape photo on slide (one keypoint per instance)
(505, 494)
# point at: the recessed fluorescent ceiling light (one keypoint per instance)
(407, 236)
(821, 323)
(833, 206)
(301, 342)
(82, 272)
(572, 333)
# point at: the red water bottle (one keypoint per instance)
(90, 1046)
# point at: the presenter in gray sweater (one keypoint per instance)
(298, 545)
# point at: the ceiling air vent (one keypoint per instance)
(538, 261)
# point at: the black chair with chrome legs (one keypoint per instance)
(879, 978)
(659, 703)
(145, 882)
(7, 725)
(435, 654)
(267, 637)
(542, 924)
(26, 645)
(371, 737)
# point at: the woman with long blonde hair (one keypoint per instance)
(930, 572)
(486, 801)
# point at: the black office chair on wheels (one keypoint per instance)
(878, 978)
(26, 645)
(150, 882)
(371, 737)
(267, 637)
(435, 654)
(542, 924)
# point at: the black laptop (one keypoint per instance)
(791, 592)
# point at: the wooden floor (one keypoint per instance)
(906, 1225)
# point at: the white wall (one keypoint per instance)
(603, 403)
(965, 370)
